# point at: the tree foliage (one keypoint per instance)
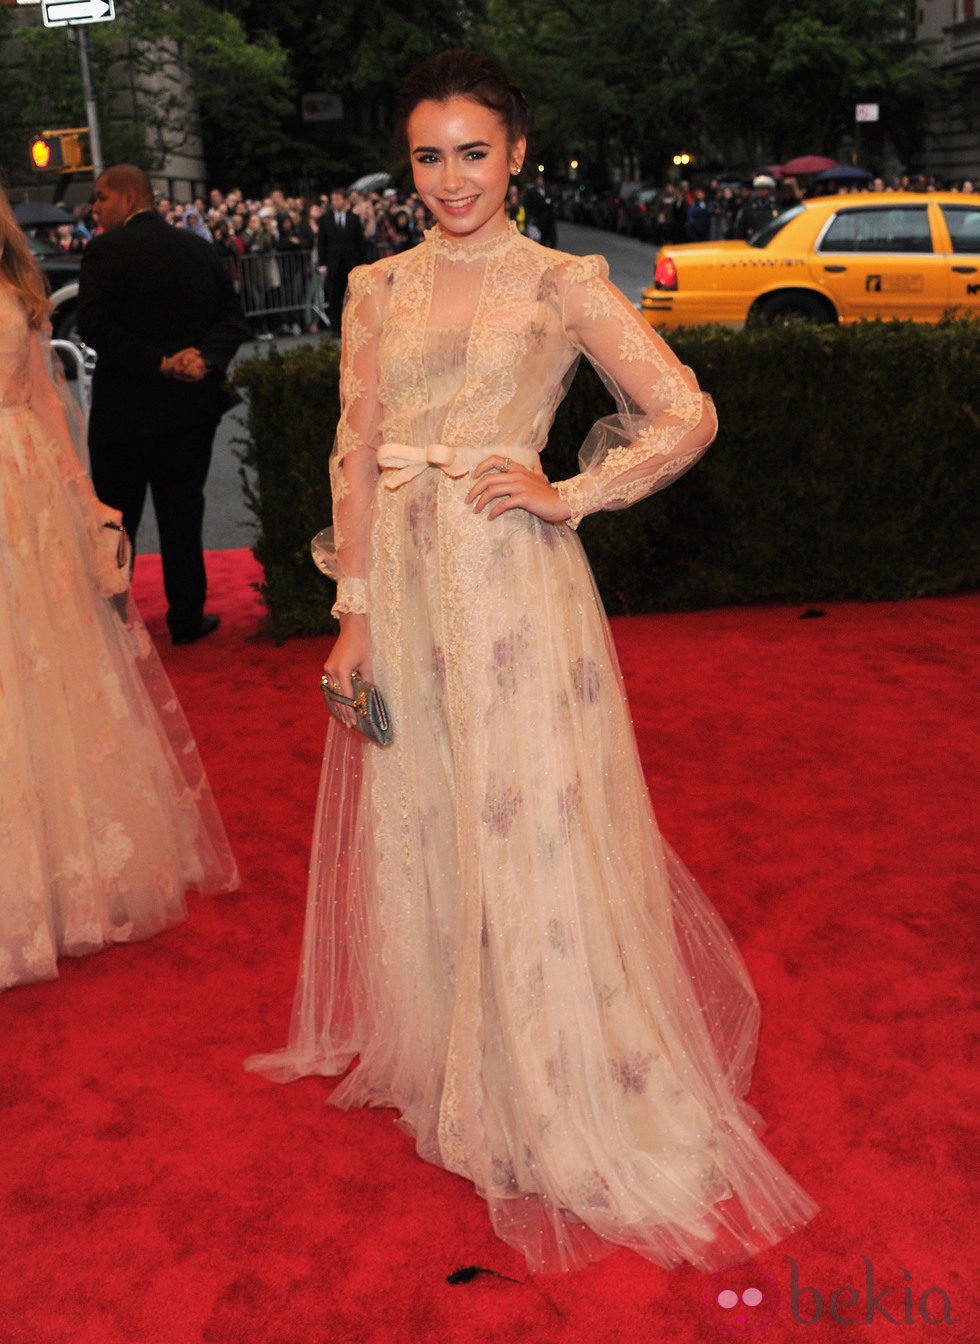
(606, 83)
(826, 58)
(739, 82)
(143, 66)
(235, 71)
(361, 53)
(620, 87)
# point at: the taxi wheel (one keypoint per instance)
(786, 308)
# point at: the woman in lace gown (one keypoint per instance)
(106, 817)
(496, 931)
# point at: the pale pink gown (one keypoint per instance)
(106, 816)
(496, 932)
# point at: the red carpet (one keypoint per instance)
(819, 776)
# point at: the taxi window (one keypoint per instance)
(767, 233)
(897, 228)
(963, 222)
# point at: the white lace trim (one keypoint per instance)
(576, 493)
(463, 250)
(351, 597)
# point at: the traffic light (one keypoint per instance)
(46, 154)
(58, 151)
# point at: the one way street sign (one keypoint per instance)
(58, 13)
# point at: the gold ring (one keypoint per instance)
(506, 466)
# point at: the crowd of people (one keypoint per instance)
(282, 287)
(685, 213)
(277, 246)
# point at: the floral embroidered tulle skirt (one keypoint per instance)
(106, 817)
(497, 936)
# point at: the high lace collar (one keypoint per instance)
(462, 250)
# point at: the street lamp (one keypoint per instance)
(681, 162)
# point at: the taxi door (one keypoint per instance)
(961, 224)
(879, 261)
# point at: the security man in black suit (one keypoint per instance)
(340, 247)
(158, 307)
(759, 210)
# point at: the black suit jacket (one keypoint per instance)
(147, 290)
(340, 249)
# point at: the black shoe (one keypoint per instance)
(209, 623)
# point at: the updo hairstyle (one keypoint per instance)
(465, 74)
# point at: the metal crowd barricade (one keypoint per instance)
(280, 291)
(70, 351)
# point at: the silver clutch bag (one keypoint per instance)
(373, 719)
(114, 560)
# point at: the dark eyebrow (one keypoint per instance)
(460, 149)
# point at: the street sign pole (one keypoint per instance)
(78, 14)
(91, 110)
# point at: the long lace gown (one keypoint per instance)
(106, 817)
(496, 931)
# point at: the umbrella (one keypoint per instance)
(371, 182)
(808, 163)
(40, 215)
(843, 172)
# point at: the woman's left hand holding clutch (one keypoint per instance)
(351, 652)
(107, 516)
(114, 553)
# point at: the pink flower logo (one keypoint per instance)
(741, 1299)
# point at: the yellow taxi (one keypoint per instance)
(832, 259)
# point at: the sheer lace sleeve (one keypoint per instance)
(664, 422)
(342, 551)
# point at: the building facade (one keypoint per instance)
(949, 32)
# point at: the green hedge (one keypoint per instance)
(291, 418)
(847, 466)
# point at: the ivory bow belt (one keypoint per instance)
(402, 462)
